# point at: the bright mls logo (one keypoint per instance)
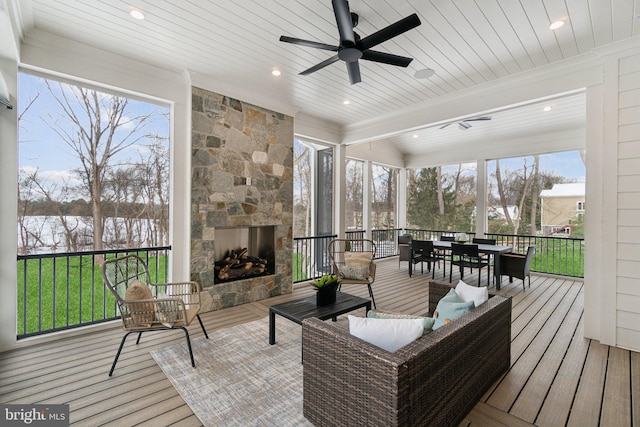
(35, 415)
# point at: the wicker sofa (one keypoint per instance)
(433, 381)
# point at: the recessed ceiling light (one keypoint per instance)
(556, 24)
(547, 108)
(346, 102)
(136, 13)
(415, 135)
(425, 73)
(276, 72)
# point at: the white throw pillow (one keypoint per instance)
(389, 334)
(472, 293)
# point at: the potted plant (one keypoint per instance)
(326, 286)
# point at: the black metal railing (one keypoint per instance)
(310, 257)
(355, 234)
(562, 256)
(425, 234)
(554, 255)
(65, 290)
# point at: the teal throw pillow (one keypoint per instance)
(450, 308)
(452, 296)
(428, 321)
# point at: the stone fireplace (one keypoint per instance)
(241, 196)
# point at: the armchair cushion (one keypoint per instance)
(143, 313)
(388, 334)
(428, 321)
(357, 266)
(472, 293)
(354, 272)
(361, 259)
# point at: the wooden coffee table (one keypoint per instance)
(304, 308)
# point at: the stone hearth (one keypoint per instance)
(242, 176)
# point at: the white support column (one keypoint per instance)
(366, 198)
(402, 199)
(481, 197)
(9, 207)
(340, 188)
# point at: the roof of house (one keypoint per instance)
(574, 189)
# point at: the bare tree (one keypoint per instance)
(440, 194)
(25, 189)
(53, 193)
(353, 208)
(96, 127)
(155, 186)
(535, 193)
(302, 170)
(518, 185)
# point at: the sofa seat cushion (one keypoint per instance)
(449, 308)
(388, 334)
(428, 321)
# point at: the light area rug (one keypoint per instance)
(239, 379)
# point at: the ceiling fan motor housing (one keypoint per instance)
(349, 54)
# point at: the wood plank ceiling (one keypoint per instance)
(466, 43)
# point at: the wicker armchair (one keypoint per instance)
(404, 248)
(352, 261)
(146, 306)
(517, 265)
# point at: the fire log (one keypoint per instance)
(240, 264)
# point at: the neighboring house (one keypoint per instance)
(497, 212)
(560, 206)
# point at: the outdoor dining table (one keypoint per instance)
(494, 250)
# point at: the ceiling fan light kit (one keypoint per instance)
(424, 73)
(352, 48)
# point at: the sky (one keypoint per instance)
(40, 147)
(566, 163)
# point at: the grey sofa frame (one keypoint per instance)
(435, 380)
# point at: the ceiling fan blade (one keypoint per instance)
(308, 43)
(354, 72)
(386, 58)
(389, 32)
(323, 64)
(343, 19)
(476, 119)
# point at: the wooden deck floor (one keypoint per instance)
(556, 378)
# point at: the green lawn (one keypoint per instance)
(62, 292)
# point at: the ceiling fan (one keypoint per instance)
(464, 124)
(351, 47)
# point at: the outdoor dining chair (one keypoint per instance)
(467, 256)
(144, 306)
(517, 265)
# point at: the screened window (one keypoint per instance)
(354, 204)
(93, 168)
(384, 194)
(536, 194)
(442, 197)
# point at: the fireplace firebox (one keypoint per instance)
(243, 252)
